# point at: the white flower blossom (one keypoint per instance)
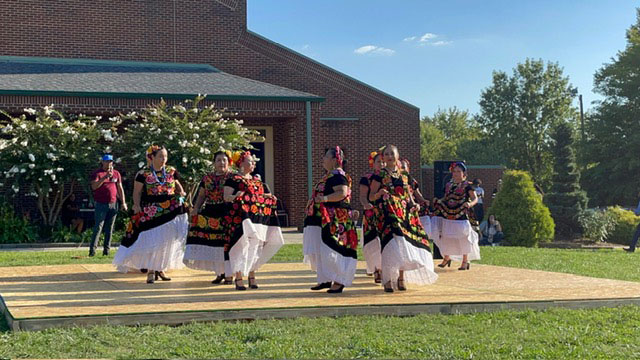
(30, 111)
(23, 126)
(7, 128)
(14, 169)
(184, 160)
(24, 143)
(141, 164)
(31, 166)
(15, 188)
(53, 177)
(23, 170)
(170, 137)
(59, 169)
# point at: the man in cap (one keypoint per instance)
(106, 184)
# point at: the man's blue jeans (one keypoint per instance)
(105, 215)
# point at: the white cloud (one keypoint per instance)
(428, 36)
(374, 50)
(306, 47)
(440, 43)
(427, 39)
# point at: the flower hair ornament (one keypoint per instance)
(459, 164)
(246, 155)
(232, 156)
(151, 150)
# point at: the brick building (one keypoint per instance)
(95, 56)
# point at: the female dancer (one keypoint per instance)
(425, 206)
(206, 240)
(406, 255)
(254, 233)
(451, 226)
(370, 223)
(156, 233)
(330, 240)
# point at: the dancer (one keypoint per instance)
(370, 223)
(206, 240)
(406, 256)
(425, 211)
(254, 232)
(330, 240)
(451, 227)
(156, 233)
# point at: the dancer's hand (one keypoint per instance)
(239, 194)
(368, 206)
(137, 209)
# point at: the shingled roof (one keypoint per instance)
(107, 78)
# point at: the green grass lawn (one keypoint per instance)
(553, 334)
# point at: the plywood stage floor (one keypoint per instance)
(39, 297)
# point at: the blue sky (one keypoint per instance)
(439, 54)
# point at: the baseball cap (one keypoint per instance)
(107, 157)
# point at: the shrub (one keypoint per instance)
(596, 224)
(626, 223)
(525, 220)
(14, 228)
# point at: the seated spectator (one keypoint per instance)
(71, 214)
(491, 231)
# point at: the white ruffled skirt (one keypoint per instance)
(371, 253)
(202, 257)
(255, 248)
(329, 265)
(159, 249)
(455, 238)
(417, 263)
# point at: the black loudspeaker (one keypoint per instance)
(441, 176)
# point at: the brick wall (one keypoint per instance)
(215, 33)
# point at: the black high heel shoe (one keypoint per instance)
(218, 279)
(336, 291)
(252, 283)
(377, 276)
(447, 263)
(161, 275)
(387, 287)
(240, 287)
(325, 285)
(401, 287)
(228, 281)
(151, 278)
(464, 266)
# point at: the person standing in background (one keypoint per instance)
(478, 208)
(106, 184)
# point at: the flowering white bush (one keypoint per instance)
(191, 133)
(44, 154)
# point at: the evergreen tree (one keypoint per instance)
(566, 200)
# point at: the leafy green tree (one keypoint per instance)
(443, 134)
(48, 150)
(613, 143)
(192, 133)
(519, 111)
(566, 200)
(525, 220)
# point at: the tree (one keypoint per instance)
(445, 132)
(519, 111)
(524, 218)
(566, 200)
(191, 134)
(48, 150)
(613, 129)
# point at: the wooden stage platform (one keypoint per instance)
(39, 297)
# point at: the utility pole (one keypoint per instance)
(581, 117)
